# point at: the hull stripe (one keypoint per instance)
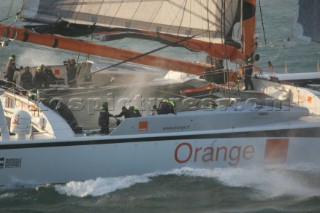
(310, 133)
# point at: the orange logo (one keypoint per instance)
(143, 126)
(276, 151)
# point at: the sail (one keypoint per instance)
(213, 21)
(307, 23)
(224, 29)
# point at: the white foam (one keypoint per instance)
(266, 183)
(7, 195)
(100, 186)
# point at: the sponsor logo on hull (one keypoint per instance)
(187, 152)
(10, 163)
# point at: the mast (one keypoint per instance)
(248, 27)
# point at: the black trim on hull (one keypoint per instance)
(307, 132)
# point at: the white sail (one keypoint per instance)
(204, 20)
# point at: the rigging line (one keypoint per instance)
(135, 12)
(9, 11)
(95, 29)
(208, 12)
(97, 14)
(264, 33)
(144, 54)
(79, 9)
(208, 25)
(7, 18)
(156, 14)
(190, 19)
(227, 63)
(70, 9)
(229, 8)
(179, 9)
(216, 4)
(10, 8)
(111, 22)
(183, 12)
(209, 33)
(49, 7)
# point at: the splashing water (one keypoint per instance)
(100, 186)
(266, 183)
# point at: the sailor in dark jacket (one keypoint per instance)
(50, 78)
(38, 78)
(11, 68)
(104, 118)
(134, 112)
(166, 107)
(26, 79)
(124, 112)
(248, 70)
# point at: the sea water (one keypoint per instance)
(295, 189)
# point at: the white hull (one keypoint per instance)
(52, 163)
(241, 135)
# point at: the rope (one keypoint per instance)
(264, 34)
(144, 54)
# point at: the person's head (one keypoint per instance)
(124, 108)
(27, 69)
(48, 68)
(131, 108)
(105, 105)
(38, 68)
(11, 58)
(213, 104)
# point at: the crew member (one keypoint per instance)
(173, 106)
(71, 72)
(248, 70)
(38, 78)
(166, 107)
(11, 68)
(124, 112)
(134, 112)
(16, 76)
(50, 78)
(104, 118)
(26, 79)
(213, 105)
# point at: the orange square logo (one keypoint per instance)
(143, 126)
(276, 151)
(309, 99)
(56, 72)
